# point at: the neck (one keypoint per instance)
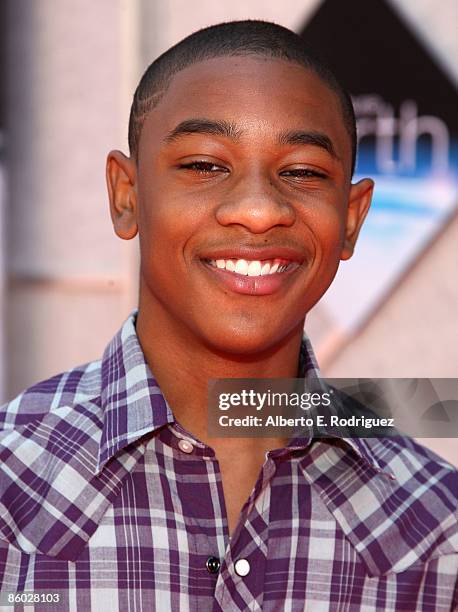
(182, 367)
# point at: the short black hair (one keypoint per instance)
(234, 38)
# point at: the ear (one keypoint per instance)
(121, 177)
(358, 205)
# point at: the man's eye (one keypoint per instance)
(204, 167)
(303, 173)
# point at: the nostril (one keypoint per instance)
(257, 213)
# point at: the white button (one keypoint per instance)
(185, 446)
(242, 567)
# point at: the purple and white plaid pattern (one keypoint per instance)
(99, 502)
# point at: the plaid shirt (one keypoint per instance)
(106, 500)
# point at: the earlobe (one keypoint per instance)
(358, 206)
(121, 178)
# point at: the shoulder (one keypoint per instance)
(400, 509)
(406, 457)
(50, 440)
(80, 386)
(417, 469)
(425, 491)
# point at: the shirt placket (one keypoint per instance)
(204, 514)
(240, 584)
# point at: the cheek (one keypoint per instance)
(170, 218)
(161, 224)
(327, 224)
(166, 229)
(328, 235)
(166, 209)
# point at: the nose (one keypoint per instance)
(256, 204)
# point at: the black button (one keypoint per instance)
(212, 564)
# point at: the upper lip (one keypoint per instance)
(255, 253)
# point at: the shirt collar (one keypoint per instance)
(309, 370)
(133, 404)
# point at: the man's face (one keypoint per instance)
(247, 159)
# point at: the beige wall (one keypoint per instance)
(70, 280)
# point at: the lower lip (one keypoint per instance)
(251, 285)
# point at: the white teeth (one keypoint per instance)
(254, 268)
(241, 267)
(273, 269)
(248, 268)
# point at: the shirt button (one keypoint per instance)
(212, 564)
(242, 567)
(185, 446)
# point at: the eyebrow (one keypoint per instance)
(301, 137)
(230, 130)
(203, 126)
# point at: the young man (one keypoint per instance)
(113, 497)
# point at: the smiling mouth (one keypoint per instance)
(253, 267)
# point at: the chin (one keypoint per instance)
(246, 340)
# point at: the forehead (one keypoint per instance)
(260, 95)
